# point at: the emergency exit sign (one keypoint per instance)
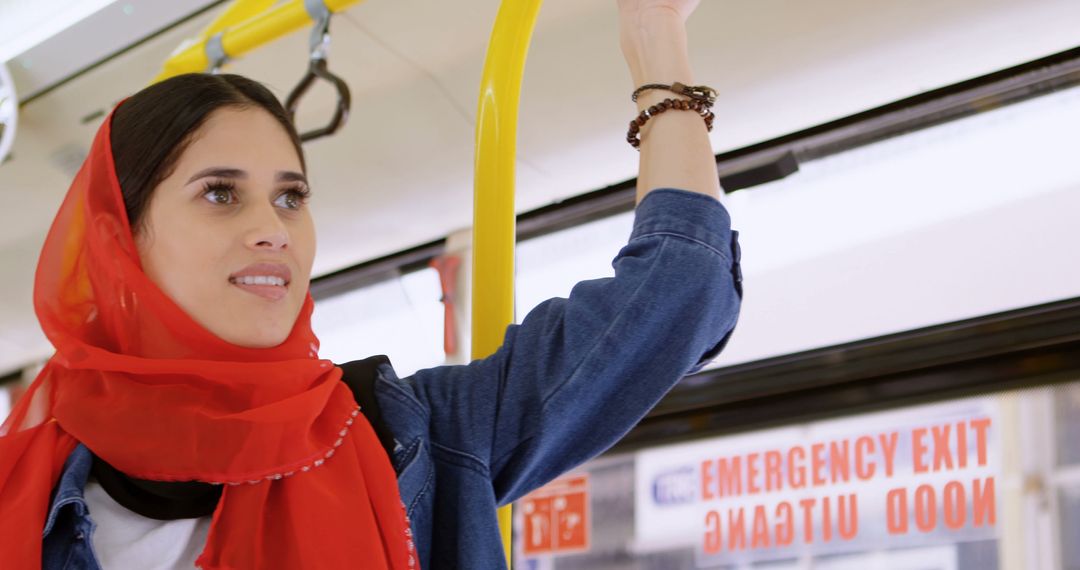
(556, 517)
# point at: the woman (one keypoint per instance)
(187, 420)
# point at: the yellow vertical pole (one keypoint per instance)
(493, 205)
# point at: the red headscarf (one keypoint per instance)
(157, 396)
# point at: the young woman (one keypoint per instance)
(186, 418)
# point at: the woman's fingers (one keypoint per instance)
(642, 9)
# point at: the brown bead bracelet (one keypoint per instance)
(703, 108)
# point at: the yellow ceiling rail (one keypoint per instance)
(493, 204)
(235, 13)
(242, 37)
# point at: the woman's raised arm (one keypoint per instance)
(580, 372)
(675, 149)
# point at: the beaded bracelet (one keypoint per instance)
(703, 108)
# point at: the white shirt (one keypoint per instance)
(124, 539)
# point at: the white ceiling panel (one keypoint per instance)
(82, 34)
(24, 23)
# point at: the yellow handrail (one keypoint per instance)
(493, 204)
(242, 37)
(235, 13)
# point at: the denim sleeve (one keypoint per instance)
(578, 373)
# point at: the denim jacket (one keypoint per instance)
(567, 383)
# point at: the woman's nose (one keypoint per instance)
(267, 231)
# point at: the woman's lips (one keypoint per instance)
(265, 279)
(271, 292)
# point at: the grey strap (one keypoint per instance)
(215, 53)
(320, 33)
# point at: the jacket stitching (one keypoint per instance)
(704, 244)
(471, 461)
(406, 459)
(401, 395)
(423, 490)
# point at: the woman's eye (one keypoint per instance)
(292, 199)
(220, 195)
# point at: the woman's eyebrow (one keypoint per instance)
(290, 176)
(225, 172)
(218, 172)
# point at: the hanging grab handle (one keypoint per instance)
(317, 69)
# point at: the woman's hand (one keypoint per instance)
(675, 147)
(633, 9)
(652, 35)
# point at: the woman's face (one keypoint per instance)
(228, 235)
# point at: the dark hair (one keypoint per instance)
(151, 129)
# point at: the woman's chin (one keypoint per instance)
(257, 339)
(250, 322)
(256, 331)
